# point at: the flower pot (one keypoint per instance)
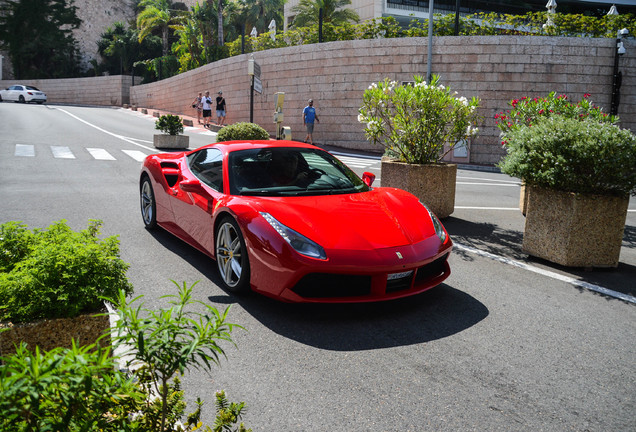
(433, 184)
(171, 141)
(53, 333)
(574, 230)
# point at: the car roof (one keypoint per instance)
(231, 146)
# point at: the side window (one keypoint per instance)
(207, 166)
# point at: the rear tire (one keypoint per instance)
(231, 257)
(21, 99)
(148, 203)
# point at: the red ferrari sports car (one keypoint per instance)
(292, 222)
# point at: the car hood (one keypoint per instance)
(380, 218)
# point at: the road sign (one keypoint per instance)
(258, 85)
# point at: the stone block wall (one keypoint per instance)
(104, 90)
(335, 74)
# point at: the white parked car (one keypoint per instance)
(23, 94)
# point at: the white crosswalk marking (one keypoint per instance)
(62, 152)
(355, 162)
(27, 150)
(137, 155)
(100, 154)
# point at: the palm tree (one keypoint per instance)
(333, 11)
(157, 14)
(219, 20)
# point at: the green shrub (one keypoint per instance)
(76, 389)
(567, 154)
(169, 124)
(57, 273)
(242, 131)
(414, 122)
(82, 388)
(168, 342)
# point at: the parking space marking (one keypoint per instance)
(25, 150)
(62, 152)
(567, 279)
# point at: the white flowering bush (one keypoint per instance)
(414, 121)
(572, 155)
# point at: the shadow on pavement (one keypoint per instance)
(435, 314)
(489, 237)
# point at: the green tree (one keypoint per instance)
(37, 34)
(119, 48)
(333, 12)
(157, 15)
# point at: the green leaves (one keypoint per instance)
(169, 124)
(57, 273)
(567, 154)
(170, 341)
(414, 121)
(76, 389)
(242, 131)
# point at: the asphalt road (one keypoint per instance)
(498, 347)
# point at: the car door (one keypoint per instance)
(193, 206)
(13, 92)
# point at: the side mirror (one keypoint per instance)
(191, 186)
(368, 178)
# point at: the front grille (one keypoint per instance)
(324, 285)
(431, 270)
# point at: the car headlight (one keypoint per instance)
(299, 242)
(439, 228)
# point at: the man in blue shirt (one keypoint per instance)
(309, 116)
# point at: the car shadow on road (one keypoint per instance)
(438, 313)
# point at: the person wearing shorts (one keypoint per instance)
(220, 109)
(207, 109)
(309, 116)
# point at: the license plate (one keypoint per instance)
(394, 276)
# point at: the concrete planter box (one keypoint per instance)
(523, 199)
(52, 333)
(433, 184)
(171, 141)
(574, 230)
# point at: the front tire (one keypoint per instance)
(148, 203)
(231, 256)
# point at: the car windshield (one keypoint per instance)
(290, 171)
(32, 88)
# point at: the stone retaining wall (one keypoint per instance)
(103, 90)
(335, 74)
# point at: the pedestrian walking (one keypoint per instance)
(220, 109)
(309, 116)
(207, 109)
(197, 104)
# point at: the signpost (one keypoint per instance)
(254, 70)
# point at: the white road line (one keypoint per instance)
(517, 183)
(550, 274)
(100, 154)
(137, 155)
(62, 152)
(488, 184)
(26, 150)
(487, 208)
(105, 131)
